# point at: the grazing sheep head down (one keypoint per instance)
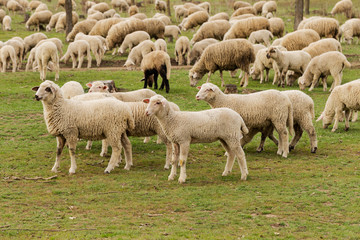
(195, 77)
(46, 92)
(327, 120)
(206, 92)
(254, 73)
(301, 83)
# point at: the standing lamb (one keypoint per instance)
(79, 49)
(343, 6)
(7, 52)
(199, 48)
(44, 53)
(6, 23)
(182, 49)
(184, 128)
(351, 29)
(261, 36)
(96, 46)
(214, 29)
(53, 20)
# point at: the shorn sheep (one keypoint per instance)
(100, 119)
(346, 98)
(214, 29)
(195, 19)
(343, 6)
(184, 128)
(243, 28)
(299, 39)
(83, 26)
(226, 55)
(182, 49)
(322, 46)
(259, 110)
(38, 18)
(44, 53)
(7, 52)
(261, 36)
(323, 65)
(199, 48)
(155, 63)
(78, 49)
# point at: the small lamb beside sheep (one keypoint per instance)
(44, 53)
(261, 36)
(182, 49)
(8, 52)
(78, 49)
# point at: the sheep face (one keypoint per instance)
(156, 104)
(194, 77)
(206, 92)
(97, 87)
(45, 92)
(272, 52)
(327, 120)
(301, 83)
(254, 73)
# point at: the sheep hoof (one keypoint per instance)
(71, 171)
(181, 180)
(54, 170)
(346, 129)
(314, 150)
(225, 173)
(146, 139)
(127, 167)
(171, 177)
(291, 148)
(333, 130)
(102, 154)
(259, 149)
(166, 167)
(243, 177)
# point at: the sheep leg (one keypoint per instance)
(283, 147)
(347, 118)
(337, 80)
(324, 82)
(246, 78)
(184, 151)
(60, 140)
(164, 79)
(267, 74)
(88, 145)
(168, 151)
(240, 155)
(3, 65)
(14, 63)
(56, 64)
(115, 155)
(146, 139)
(354, 116)
(89, 59)
(81, 60)
(126, 144)
(248, 137)
(338, 113)
(208, 78)
(309, 128)
(296, 138)
(104, 148)
(40, 65)
(72, 141)
(222, 79)
(230, 158)
(174, 161)
(156, 75)
(264, 134)
(73, 59)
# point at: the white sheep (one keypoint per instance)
(263, 63)
(182, 49)
(258, 6)
(96, 16)
(194, 20)
(325, 27)
(219, 16)
(277, 26)
(137, 53)
(96, 46)
(71, 89)
(133, 39)
(79, 49)
(205, 5)
(37, 18)
(269, 6)
(184, 128)
(140, 16)
(180, 11)
(332, 62)
(99, 119)
(6, 23)
(109, 13)
(346, 98)
(199, 48)
(41, 7)
(161, 45)
(2, 15)
(214, 29)
(53, 20)
(83, 26)
(121, 4)
(13, 6)
(61, 22)
(225, 55)
(101, 7)
(18, 45)
(44, 53)
(240, 4)
(261, 36)
(172, 32)
(351, 29)
(299, 39)
(259, 110)
(7, 52)
(243, 28)
(102, 27)
(31, 41)
(165, 19)
(343, 6)
(133, 10)
(34, 4)
(322, 46)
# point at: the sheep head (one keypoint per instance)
(272, 52)
(194, 77)
(46, 92)
(155, 105)
(206, 92)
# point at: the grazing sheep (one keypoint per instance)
(346, 98)
(43, 54)
(219, 16)
(205, 5)
(269, 6)
(31, 41)
(133, 10)
(241, 4)
(161, 45)
(61, 22)
(172, 32)
(241, 17)
(109, 13)
(14, 6)
(96, 16)
(226, 55)
(306, 20)
(6, 23)
(243, 10)
(279, 115)
(154, 27)
(332, 62)
(71, 89)
(263, 63)
(299, 39)
(322, 46)
(7, 52)
(133, 39)
(195, 9)
(184, 128)
(182, 49)
(194, 20)
(81, 27)
(261, 36)
(102, 27)
(160, 6)
(351, 29)
(277, 26)
(53, 20)
(243, 28)
(2, 15)
(19, 50)
(155, 63)
(38, 18)
(78, 49)
(41, 7)
(137, 53)
(63, 120)
(56, 41)
(140, 16)
(34, 4)
(121, 4)
(343, 6)
(180, 11)
(96, 46)
(258, 6)
(61, 3)
(214, 29)
(101, 7)
(325, 27)
(199, 48)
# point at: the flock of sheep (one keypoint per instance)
(242, 41)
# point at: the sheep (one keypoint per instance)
(259, 110)
(78, 49)
(41, 7)
(96, 16)
(6, 23)
(34, 4)
(244, 10)
(160, 6)
(226, 55)
(199, 48)
(205, 5)
(118, 31)
(243, 28)
(219, 16)
(83, 27)
(44, 53)
(155, 63)
(277, 26)
(299, 39)
(140, 16)
(96, 46)
(195, 9)
(121, 4)
(261, 36)
(137, 53)
(240, 4)
(343, 6)
(258, 6)
(322, 46)
(109, 13)
(325, 27)
(61, 22)
(154, 27)
(61, 3)
(161, 45)
(101, 86)
(38, 18)
(19, 50)
(195, 20)
(332, 62)
(13, 6)
(306, 20)
(133, 39)
(2, 15)
(56, 41)
(288, 60)
(269, 6)
(165, 19)
(342, 98)
(183, 128)
(172, 32)
(182, 49)
(99, 119)
(101, 7)
(263, 63)
(351, 29)
(241, 17)
(71, 89)
(133, 10)
(214, 29)
(180, 11)
(102, 27)
(7, 52)
(31, 41)
(53, 20)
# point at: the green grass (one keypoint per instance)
(305, 196)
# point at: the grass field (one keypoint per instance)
(305, 196)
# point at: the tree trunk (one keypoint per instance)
(299, 6)
(307, 6)
(168, 8)
(68, 11)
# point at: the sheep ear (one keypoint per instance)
(146, 100)
(195, 75)
(198, 87)
(301, 81)
(163, 102)
(89, 85)
(35, 89)
(105, 87)
(321, 117)
(212, 89)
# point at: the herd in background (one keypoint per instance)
(243, 41)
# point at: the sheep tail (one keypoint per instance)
(290, 120)
(347, 64)
(168, 68)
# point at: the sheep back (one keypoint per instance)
(299, 39)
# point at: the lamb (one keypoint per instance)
(199, 48)
(263, 63)
(31, 41)
(161, 45)
(53, 20)
(81, 27)
(214, 29)
(243, 28)
(13, 6)
(121, 4)
(63, 120)
(226, 55)
(6, 23)
(261, 36)
(184, 128)
(195, 19)
(325, 27)
(332, 62)
(343, 98)
(244, 10)
(137, 53)
(19, 50)
(133, 10)
(96, 46)
(102, 27)
(279, 115)
(322, 46)
(277, 26)
(172, 32)
(219, 16)
(351, 29)
(343, 6)
(41, 7)
(182, 49)
(71, 89)
(180, 11)
(240, 4)
(7, 52)
(299, 39)
(38, 18)
(44, 53)
(61, 22)
(258, 6)
(288, 60)
(155, 63)
(154, 27)
(78, 49)
(160, 6)
(133, 39)
(269, 6)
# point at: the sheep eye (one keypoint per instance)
(48, 89)
(158, 102)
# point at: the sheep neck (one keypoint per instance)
(218, 100)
